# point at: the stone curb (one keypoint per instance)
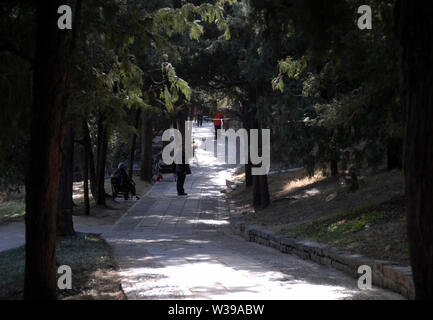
(386, 274)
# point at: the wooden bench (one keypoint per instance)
(116, 190)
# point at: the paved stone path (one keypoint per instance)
(171, 247)
(13, 234)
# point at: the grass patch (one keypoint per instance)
(11, 211)
(374, 230)
(12, 273)
(89, 256)
(346, 222)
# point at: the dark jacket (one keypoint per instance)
(183, 169)
(124, 180)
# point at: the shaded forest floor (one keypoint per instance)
(12, 205)
(370, 221)
(94, 269)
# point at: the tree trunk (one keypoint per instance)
(248, 166)
(134, 143)
(248, 176)
(261, 197)
(247, 123)
(65, 225)
(91, 163)
(45, 158)
(85, 169)
(181, 118)
(146, 171)
(101, 158)
(394, 153)
(414, 19)
(334, 166)
(264, 191)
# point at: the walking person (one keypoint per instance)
(199, 116)
(218, 121)
(181, 171)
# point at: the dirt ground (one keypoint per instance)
(370, 221)
(97, 278)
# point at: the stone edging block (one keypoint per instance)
(386, 274)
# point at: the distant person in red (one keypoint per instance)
(217, 122)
